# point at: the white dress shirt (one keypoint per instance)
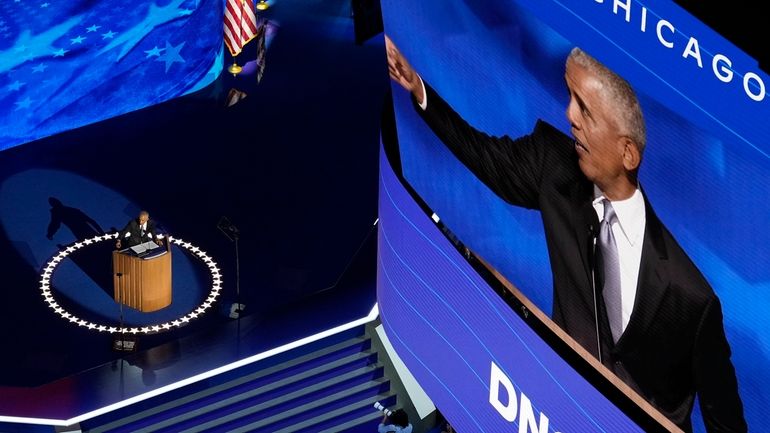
(424, 104)
(629, 236)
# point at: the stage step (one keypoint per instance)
(330, 389)
(366, 423)
(292, 419)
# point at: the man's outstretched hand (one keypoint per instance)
(401, 71)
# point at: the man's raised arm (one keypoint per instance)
(512, 169)
(402, 72)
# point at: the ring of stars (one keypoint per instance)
(50, 267)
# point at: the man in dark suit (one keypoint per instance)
(635, 301)
(138, 231)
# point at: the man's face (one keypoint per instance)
(143, 218)
(598, 141)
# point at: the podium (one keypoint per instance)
(145, 281)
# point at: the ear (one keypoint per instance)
(631, 156)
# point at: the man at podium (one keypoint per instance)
(141, 276)
(138, 231)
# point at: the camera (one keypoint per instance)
(382, 408)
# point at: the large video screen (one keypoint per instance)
(65, 65)
(697, 267)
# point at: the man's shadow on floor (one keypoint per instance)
(94, 260)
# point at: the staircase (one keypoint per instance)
(331, 389)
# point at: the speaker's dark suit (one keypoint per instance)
(674, 344)
(136, 235)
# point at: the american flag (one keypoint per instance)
(240, 24)
(68, 63)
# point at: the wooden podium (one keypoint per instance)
(145, 283)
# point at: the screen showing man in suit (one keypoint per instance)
(703, 173)
(622, 285)
(138, 231)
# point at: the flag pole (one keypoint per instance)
(235, 69)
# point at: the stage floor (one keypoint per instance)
(133, 377)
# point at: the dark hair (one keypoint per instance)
(399, 418)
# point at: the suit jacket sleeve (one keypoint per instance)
(126, 229)
(513, 169)
(151, 229)
(715, 379)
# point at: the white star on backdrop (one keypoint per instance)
(171, 55)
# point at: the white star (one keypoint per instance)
(60, 53)
(108, 35)
(77, 40)
(16, 85)
(24, 103)
(45, 5)
(40, 68)
(155, 52)
(93, 28)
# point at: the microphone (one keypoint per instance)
(593, 234)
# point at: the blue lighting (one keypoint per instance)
(67, 64)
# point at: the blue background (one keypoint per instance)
(706, 168)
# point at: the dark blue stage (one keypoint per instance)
(293, 165)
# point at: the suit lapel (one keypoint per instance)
(653, 279)
(586, 226)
